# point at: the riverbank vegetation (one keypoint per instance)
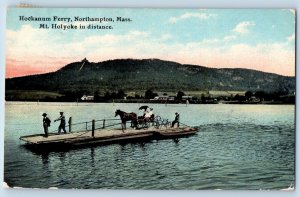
(151, 96)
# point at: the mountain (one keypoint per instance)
(140, 75)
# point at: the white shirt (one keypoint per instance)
(148, 114)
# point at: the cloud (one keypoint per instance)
(138, 33)
(188, 15)
(40, 51)
(218, 41)
(29, 41)
(243, 27)
(291, 38)
(106, 41)
(229, 37)
(31, 50)
(210, 41)
(275, 58)
(165, 37)
(39, 42)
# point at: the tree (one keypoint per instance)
(137, 96)
(239, 97)
(203, 98)
(107, 96)
(96, 96)
(248, 94)
(179, 95)
(121, 94)
(149, 94)
(113, 95)
(260, 94)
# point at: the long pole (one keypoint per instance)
(70, 124)
(103, 124)
(93, 128)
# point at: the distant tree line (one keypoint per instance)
(150, 94)
(282, 96)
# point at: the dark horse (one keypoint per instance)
(127, 117)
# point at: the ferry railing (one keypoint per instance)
(94, 125)
(91, 125)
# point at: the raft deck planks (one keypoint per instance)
(103, 136)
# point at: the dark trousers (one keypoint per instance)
(62, 127)
(45, 129)
(174, 122)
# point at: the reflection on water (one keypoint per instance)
(92, 157)
(237, 147)
(45, 159)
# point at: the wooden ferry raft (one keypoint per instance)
(104, 136)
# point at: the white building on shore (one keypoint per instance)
(87, 98)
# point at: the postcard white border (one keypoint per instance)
(295, 4)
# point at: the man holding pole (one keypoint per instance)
(62, 125)
(176, 120)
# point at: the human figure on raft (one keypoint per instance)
(148, 115)
(176, 120)
(62, 125)
(46, 124)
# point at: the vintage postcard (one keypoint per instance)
(151, 99)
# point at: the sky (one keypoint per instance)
(259, 39)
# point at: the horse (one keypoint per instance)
(127, 117)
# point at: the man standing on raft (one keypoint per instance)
(176, 120)
(62, 125)
(46, 124)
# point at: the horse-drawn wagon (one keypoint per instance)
(142, 122)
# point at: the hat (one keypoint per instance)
(176, 113)
(61, 112)
(151, 108)
(44, 114)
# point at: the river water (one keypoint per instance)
(237, 147)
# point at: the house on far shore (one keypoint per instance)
(87, 98)
(163, 98)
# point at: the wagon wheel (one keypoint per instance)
(143, 124)
(161, 123)
(165, 123)
(139, 124)
(146, 124)
(169, 123)
(157, 118)
(156, 124)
